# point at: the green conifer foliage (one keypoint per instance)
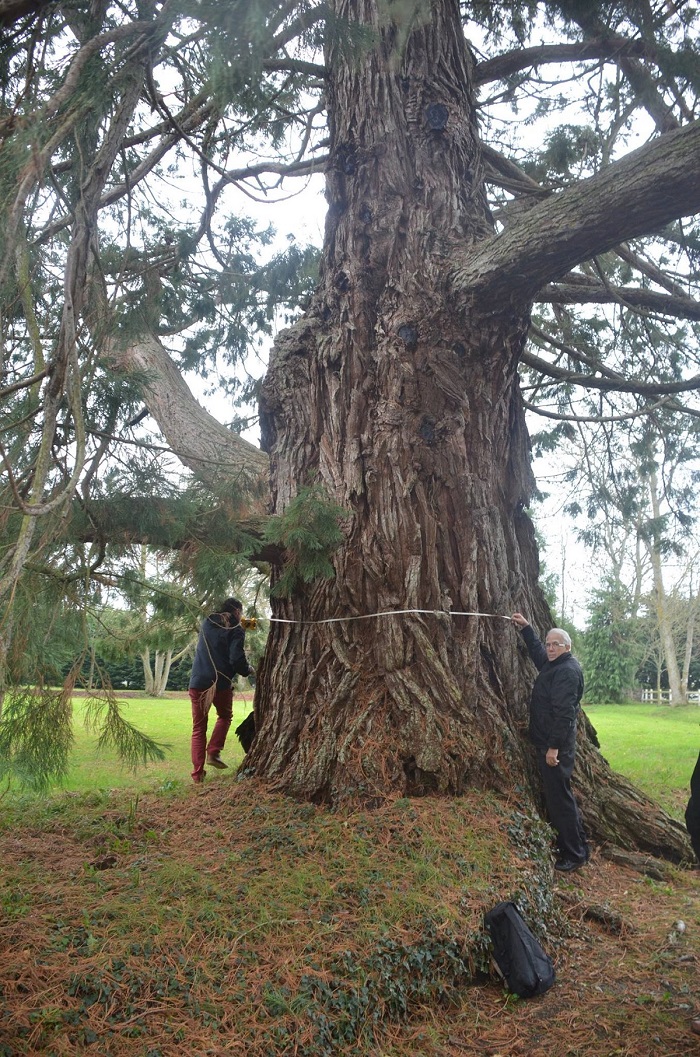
(307, 533)
(612, 649)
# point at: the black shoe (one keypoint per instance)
(568, 865)
(214, 760)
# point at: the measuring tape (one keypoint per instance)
(251, 622)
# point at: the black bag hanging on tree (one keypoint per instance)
(525, 967)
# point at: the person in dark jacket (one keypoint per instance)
(692, 824)
(692, 811)
(218, 659)
(554, 705)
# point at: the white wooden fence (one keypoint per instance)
(664, 697)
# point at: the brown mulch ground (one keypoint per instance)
(627, 958)
(630, 989)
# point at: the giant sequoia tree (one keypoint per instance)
(397, 390)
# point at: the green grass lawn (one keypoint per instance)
(654, 746)
(166, 720)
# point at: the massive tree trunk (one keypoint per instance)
(402, 399)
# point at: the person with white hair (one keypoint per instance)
(692, 811)
(554, 705)
(692, 822)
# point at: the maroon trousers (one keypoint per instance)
(223, 703)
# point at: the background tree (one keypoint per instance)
(612, 650)
(636, 491)
(151, 646)
(397, 392)
(168, 637)
(682, 615)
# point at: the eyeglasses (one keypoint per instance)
(551, 645)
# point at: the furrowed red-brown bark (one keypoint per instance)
(398, 391)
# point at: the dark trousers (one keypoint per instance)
(692, 812)
(562, 809)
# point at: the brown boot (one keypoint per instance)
(214, 760)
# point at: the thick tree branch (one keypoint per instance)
(23, 383)
(652, 271)
(612, 382)
(591, 359)
(169, 524)
(299, 25)
(505, 173)
(560, 416)
(296, 66)
(637, 195)
(512, 62)
(190, 122)
(213, 452)
(590, 293)
(12, 10)
(639, 77)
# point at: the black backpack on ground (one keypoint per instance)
(525, 967)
